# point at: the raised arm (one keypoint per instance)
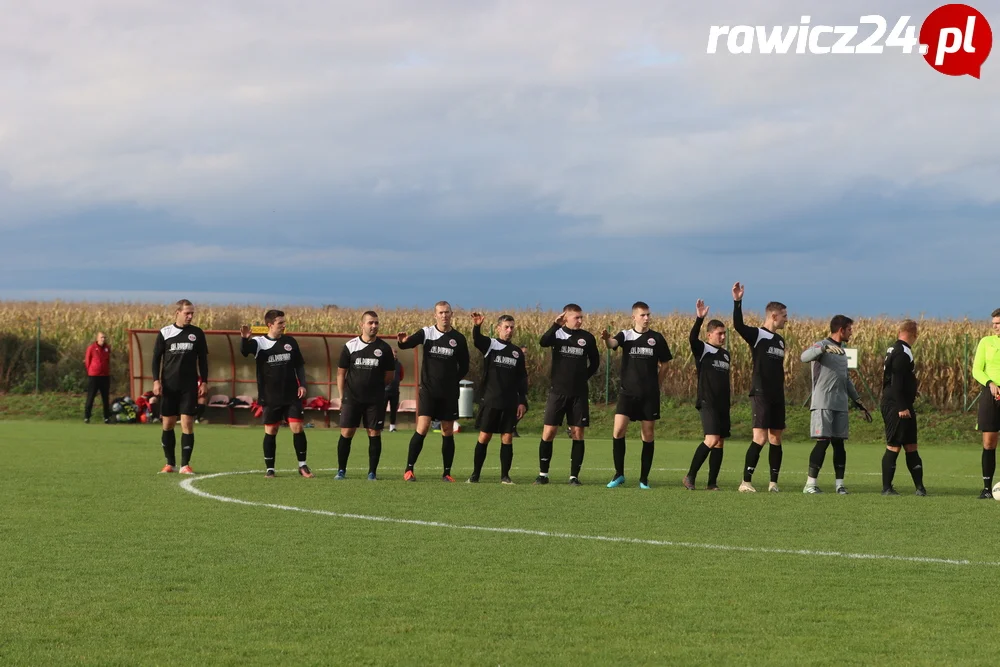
(749, 334)
(548, 338)
(405, 342)
(481, 342)
(248, 345)
(697, 346)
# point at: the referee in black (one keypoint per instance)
(180, 374)
(505, 393)
(899, 391)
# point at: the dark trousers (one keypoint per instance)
(393, 407)
(98, 384)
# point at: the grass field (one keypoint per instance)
(110, 563)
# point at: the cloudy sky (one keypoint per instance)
(497, 154)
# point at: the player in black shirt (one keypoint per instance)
(281, 386)
(899, 391)
(712, 362)
(366, 367)
(505, 393)
(645, 354)
(767, 386)
(180, 374)
(575, 360)
(445, 362)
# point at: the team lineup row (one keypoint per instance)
(367, 365)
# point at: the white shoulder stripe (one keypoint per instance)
(169, 331)
(355, 345)
(432, 333)
(709, 349)
(495, 345)
(630, 335)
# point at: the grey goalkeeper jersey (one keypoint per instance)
(831, 384)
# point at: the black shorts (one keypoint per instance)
(440, 408)
(767, 414)
(639, 408)
(496, 420)
(989, 412)
(176, 403)
(575, 409)
(353, 414)
(899, 431)
(715, 420)
(275, 414)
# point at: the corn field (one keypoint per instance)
(943, 352)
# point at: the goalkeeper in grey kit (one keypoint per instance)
(832, 389)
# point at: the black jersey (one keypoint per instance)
(505, 377)
(641, 356)
(180, 357)
(366, 365)
(768, 350)
(280, 369)
(899, 381)
(445, 360)
(713, 371)
(575, 359)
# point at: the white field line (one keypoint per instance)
(189, 485)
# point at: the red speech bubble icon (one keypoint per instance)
(956, 40)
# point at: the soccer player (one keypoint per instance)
(767, 386)
(986, 371)
(281, 386)
(505, 393)
(645, 354)
(831, 389)
(180, 371)
(575, 360)
(899, 391)
(712, 362)
(445, 362)
(366, 367)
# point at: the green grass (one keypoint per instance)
(109, 563)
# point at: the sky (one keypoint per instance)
(496, 154)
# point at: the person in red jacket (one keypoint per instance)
(98, 364)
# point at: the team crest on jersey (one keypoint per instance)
(515, 354)
(581, 342)
(192, 337)
(453, 342)
(288, 347)
(377, 353)
(651, 341)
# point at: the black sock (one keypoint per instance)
(187, 446)
(647, 461)
(169, 443)
(916, 467)
(714, 465)
(817, 456)
(299, 443)
(618, 450)
(576, 458)
(478, 459)
(544, 456)
(989, 467)
(270, 446)
(774, 460)
(506, 459)
(416, 444)
(374, 452)
(888, 467)
(753, 456)
(343, 452)
(700, 454)
(199, 411)
(839, 458)
(447, 452)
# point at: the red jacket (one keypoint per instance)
(98, 360)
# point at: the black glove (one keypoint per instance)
(867, 416)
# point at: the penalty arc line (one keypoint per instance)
(189, 486)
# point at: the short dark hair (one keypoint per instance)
(715, 324)
(505, 318)
(908, 326)
(572, 308)
(369, 313)
(996, 313)
(839, 322)
(775, 307)
(640, 304)
(271, 315)
(442, 303)
(182, 304)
